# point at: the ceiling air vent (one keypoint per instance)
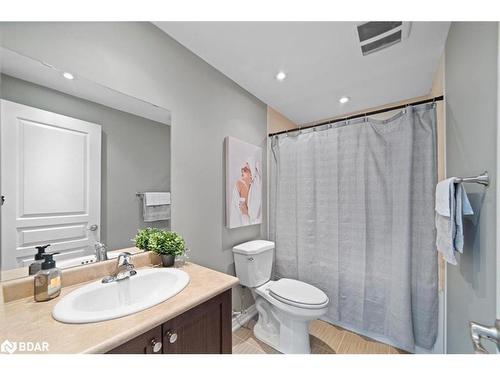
(377, 35)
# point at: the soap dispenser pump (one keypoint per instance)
(47, 281)
(37, 264)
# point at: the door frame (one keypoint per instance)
(495, 173)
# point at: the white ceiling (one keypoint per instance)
(323, 62)
(44, 74)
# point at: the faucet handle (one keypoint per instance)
(101, 251)
(99, 245)
(108, 279)
(126, 256)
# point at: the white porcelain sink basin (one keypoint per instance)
(96, 301)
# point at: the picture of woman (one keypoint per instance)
(240, 196)
(244, 180)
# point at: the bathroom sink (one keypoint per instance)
(96, 301)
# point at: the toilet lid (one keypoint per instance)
(298, 293)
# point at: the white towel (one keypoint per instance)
(451, 203)
(156, 206)
(156, 198)
(444, 190)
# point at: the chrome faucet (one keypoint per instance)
(124, 269)
(101, 251)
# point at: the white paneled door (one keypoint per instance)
(51, 181)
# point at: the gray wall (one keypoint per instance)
(471, 118)
(140, 60)
(135, 155)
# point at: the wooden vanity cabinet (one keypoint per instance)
(204, 329)
(147, 343)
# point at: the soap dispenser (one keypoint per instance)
(48, 280)
(37, 264)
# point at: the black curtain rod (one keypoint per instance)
(364, 114)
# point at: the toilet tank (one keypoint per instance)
(254, 261)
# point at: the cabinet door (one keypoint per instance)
(147, 343)
(205, 329)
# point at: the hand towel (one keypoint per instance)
(445, 219)
(451, 204)
(462, 208)
(444, 190)
(156, 206)
(156, 198)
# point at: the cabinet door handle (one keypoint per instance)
(172, 337)
(156, 345)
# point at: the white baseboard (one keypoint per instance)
(242, 319)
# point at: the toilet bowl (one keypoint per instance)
(285, 306)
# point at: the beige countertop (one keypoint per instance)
(26, 320)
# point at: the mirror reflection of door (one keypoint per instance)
(51, 180)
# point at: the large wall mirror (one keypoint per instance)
(76, 159)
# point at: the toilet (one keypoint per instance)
(285, 306)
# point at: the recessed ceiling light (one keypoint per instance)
(281, 76)
(68, 75)
(344, 99)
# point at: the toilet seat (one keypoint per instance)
(299, 294)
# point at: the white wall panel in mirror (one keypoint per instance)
(52, 170)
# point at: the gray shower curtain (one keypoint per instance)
(352, 212)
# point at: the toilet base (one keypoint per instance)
(291, 338)
(269, 338)
(281, 326)
(285, 332)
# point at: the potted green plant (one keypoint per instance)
(142, 238)
(167, 245)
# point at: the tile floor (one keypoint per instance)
(325, 339)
